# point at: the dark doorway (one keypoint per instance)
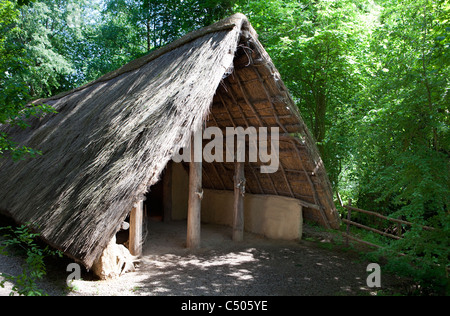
(154, 204)
(153, 212)
(157, 206)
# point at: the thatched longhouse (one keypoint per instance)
(111, 140)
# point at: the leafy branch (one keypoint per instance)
(21, 239)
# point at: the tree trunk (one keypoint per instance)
(319, 120)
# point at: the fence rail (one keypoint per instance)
(349, 222)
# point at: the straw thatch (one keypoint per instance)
(112, 138)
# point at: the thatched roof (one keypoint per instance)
(112, 138)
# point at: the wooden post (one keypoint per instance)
(399, 228)
(339, 199)
(136, 220)
(349, 218)
(195, 201)
(238, 207)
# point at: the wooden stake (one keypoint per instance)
(136, 220)
(349, 218)
(238, 209)
(195, 201)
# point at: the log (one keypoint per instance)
(360, 240)
(136, 220)
(369, 228)
(238, 206)
(349, 207)
(349, 217)
(195, 201)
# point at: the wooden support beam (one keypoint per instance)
(307, 204)
(238, 206)
(236, 104)
(136, 220)
(255, 176)
(195, 201)
(258, 116)
(313, 188)
(228, 110)
(369, 228)
(218, 175)
(293, 140)
(395, 220)
(360, 240)
(206, 177)
(349, 218)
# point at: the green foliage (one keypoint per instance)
(371, 79)
(422, 257)
(33, 64)
(128, 29)
(403, 149)
(23, 240)
(29, 68)
(24, 2)
(405, 141)
(316, 46)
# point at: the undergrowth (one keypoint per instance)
(21, 241)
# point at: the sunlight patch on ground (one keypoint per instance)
(170, 260)
(242, 275)
(231, 259)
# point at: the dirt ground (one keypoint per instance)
(255, 267)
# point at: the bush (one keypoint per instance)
(22, 240)
(422, 256)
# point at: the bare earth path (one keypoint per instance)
(256, 267)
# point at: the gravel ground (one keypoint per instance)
(257, 267)
(12, 266)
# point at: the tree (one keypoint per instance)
(371, 80)
(316, 47)
(408, 107)
(402, 144)
(29, 68)
(129, 29)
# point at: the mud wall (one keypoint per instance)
(275, 217)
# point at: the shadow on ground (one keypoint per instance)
(255, 267)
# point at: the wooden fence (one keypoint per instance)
(349, 222)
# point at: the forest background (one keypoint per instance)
(370, 77)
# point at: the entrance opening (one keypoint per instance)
(153, 212)
(157, 207)
(154, 203)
